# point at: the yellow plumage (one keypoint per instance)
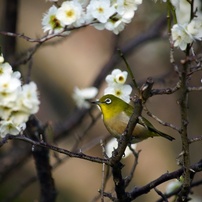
(116, 115)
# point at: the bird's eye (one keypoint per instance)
(108, 101)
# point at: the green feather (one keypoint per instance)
(116, 114)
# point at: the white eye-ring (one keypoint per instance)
(108, 101)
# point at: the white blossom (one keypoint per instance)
(7, 100)
(9, 86)
(175, 3)
(115, 25)
(17, 101)
(113, 144)
(121, 91)
(5, 112)
(50, 22)
(8, 83)
(99, 26)
(81, 96)
(19, 117)
(116, 85)
(180, 36)
(69, 12)
(83, 3)
(138, 2)
(183, 10)
(117, 22)
(194, 28)
(127, 16)
(1, 58)
(16, 75)
(5, 68)
(28, 101)
(100, 10)
(116, 77)
(8, 127)
(112, 15)
(123, 6)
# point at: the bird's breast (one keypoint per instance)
(117, 124)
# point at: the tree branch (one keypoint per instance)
(42, 162)
(60, 150)
(10, 25)
(138, 191)
(184, 135)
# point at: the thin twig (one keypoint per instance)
(60, 150)
(194, 88)
(103, 183)
(130, 176)
(129, 70)
(166, 91)
(161, 194)
(160, 121)
(195, 139)
(39, 40)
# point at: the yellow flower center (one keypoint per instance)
(54, 22)
(120, 79)
(5, 85)
(1, 71)
(70, 13)
(118, 93)
(100, 10)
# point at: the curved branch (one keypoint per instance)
(163, 178)
(60, 150)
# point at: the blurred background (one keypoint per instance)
(77, 60)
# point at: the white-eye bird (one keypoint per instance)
(116, 114)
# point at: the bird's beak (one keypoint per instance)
(96, 102)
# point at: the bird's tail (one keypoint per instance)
(168, 137)
(156, 132)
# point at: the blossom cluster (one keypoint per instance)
(185, 31)
(17, 101)
(116, 85)
(112, 15)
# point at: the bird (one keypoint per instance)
(116, 114)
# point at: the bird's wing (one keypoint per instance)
(151, 128)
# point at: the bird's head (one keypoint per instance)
(110, 105)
